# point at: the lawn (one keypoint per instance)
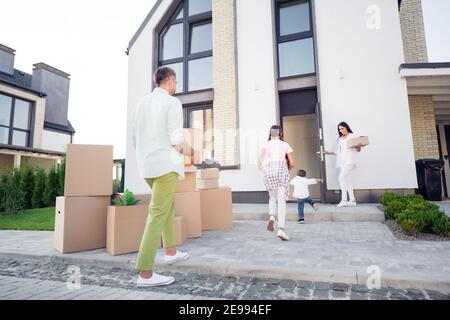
(36, 219)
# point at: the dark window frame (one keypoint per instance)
(293, 37)
(31, 118)
(188, 22)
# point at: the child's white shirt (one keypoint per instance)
(301, 187)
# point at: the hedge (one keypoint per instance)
(30, 188)
(414, 214)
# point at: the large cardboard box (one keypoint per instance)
(187, 205)
(208, 174)
(80, 223)
(193, 152)
(89, 171)
(180, 230)
(217, 209)
(188, 184)
(125, 228)
(354, 142)
(205, 184)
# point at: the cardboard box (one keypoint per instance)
(208, 174)
(217, 209)
(354, 142)
(188, 184)
(89, 171)
(187, 205)
(125, 228)
(144, 199)
(180, 230)
(193, 152)
(80, 223)
(205, 184)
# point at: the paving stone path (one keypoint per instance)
(42, 279)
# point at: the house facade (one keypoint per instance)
(34, 129)
(245, 65)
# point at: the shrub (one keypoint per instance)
(14, 194)
(27, 176)
(61, 178)
(441, 225)
(387, 197)
(395, 207)
(128, 199)
(3, 189)
(409, 227)
(51, 188)
(37, 199)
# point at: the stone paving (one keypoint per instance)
(320, 251)
(42, 279)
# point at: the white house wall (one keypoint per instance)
(257, 90)
(140, 67)
(360, 83)
(55, 141)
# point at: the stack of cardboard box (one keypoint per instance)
(216, 203)
(80, 217)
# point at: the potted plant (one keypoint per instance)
(125, 225)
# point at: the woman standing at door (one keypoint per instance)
(275, 161)
(346, 162)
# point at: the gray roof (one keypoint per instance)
(58, 127)
(143, 25)
(19, 80)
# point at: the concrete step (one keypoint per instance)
(325, 212)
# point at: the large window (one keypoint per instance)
(294, 38)
(185, 44)
(15, 121)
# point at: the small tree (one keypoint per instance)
(37, 199)
(3, 189)
(61, 178)
(51, 188)
(27, 176)
(14, 195)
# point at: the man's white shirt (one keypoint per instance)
(301, 187)
(158, 127)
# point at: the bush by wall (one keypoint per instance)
(31, 188)
(414, 214)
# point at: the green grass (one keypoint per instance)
(36, 219)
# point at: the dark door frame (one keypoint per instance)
(319, 136)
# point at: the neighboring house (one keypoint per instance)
(34, 129)
(244, 65)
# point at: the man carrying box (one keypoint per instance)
(159, 142)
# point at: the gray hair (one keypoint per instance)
(162, 74)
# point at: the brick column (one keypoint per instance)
(413, 31)
(225, 82)
(423, 127)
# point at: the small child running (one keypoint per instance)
(301, 193)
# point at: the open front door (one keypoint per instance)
(301, 130)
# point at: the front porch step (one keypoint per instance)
(326, 212)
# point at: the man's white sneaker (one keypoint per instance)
(282, 235)
(352, 204)
(342, 204)
(315, 207)
(155, 281)
(180, 256)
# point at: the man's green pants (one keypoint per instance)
(160, 220)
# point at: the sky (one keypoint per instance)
(88, 39)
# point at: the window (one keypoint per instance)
(185, 44)
(295, 38)
(202, 118)
(15, 121)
